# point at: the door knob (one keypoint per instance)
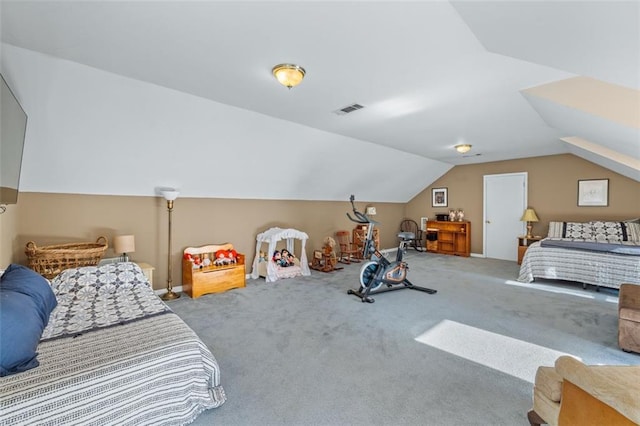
(488, 221)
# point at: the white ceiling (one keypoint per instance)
(431, 74)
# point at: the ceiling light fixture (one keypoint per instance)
(288, 75)
(463, 148)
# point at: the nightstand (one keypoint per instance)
(523, 244)
(147, 270)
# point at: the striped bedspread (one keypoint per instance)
(152, 370)
(584, 266)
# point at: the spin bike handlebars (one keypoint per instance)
(360, 217)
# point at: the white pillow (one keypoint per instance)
(579, 230)
(608, 231)
(555, 229)
(633, 231)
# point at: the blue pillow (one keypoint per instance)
(26, 301)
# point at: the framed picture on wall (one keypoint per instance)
(593, 192)
(439, 197)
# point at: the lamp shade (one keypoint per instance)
(124, 244)
(170, 194)
(529, 215)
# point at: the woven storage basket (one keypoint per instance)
(49, 261)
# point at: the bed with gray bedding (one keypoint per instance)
(112, 353)
(600, 253)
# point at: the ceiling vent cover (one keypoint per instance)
(348, 109)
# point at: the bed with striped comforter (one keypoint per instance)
(583, 266)
(112, 353)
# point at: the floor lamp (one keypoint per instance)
(170, 195)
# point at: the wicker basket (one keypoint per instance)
(49, 261)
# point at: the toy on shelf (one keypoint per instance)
(225, 257)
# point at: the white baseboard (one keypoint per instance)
(176, 289)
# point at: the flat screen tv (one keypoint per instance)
(13, 126)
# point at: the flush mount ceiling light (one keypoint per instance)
(289, 75)
(463, 148)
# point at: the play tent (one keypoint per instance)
(268, 268)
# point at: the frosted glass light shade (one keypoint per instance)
(289, 75)
(124, 244)
(463, 148)
(170, 194)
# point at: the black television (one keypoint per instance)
(13, 127)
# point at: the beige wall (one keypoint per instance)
(553, 188)
(61, 218)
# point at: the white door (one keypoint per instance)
(505, 199)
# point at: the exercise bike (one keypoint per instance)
(378, 270)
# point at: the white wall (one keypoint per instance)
(93, 132)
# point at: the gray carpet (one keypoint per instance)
(303, 352)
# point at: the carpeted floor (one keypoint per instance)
(303, 352)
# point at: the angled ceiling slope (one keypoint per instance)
(431, 75)
(605, 116)
(598, 115)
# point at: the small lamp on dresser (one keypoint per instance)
(529, 216)
(124, 244)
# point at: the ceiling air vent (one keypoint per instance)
(348, 109)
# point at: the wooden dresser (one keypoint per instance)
(452, 237)
(200, 280)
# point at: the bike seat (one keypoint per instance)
(406, 236)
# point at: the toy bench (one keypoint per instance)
(205, 270)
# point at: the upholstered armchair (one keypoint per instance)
(572, 393)
(629, 318)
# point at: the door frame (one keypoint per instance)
(484, 204)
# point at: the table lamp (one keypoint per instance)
(529, 216)
(124, 244)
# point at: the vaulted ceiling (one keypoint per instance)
(513, 79)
